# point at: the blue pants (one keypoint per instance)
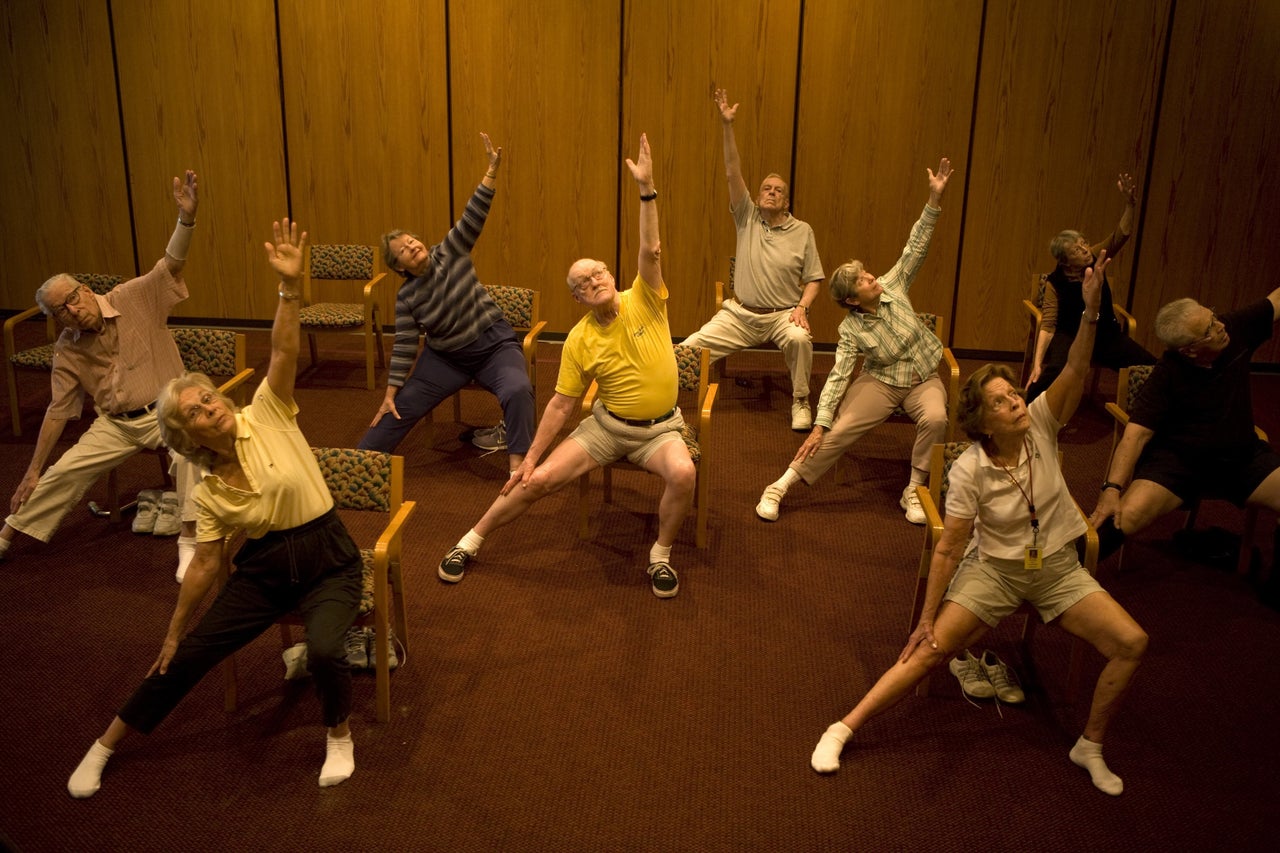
(313, 568)
(494, 359)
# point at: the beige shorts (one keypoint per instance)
(607, 439)
(991, 588)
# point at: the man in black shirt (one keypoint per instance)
(1190, 430)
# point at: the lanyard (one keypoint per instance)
(1028, 494)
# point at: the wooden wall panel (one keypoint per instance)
(886, 90)
(1210, 230)
(676, 54)
(541, 78)
(1066, 101)
(200, 88)
(65, 206)
(367, 118)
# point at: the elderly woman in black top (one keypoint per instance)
(1063, 304)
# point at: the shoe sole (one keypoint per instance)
(447, 578)
(902, 502)
(670, 593)
(763, 517)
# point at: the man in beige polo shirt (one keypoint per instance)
(117, 349)
(777, 273)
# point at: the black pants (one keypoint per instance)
(313, 568)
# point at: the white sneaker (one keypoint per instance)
(801, 417)
(295, 662)
(357, 648)
(968, 672)
(168, 521)
(768, 506)
(144, 521)
(1002, 678)
(910, 502)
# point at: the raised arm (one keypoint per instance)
(732, 162)
(285, 257)
(490, 178)
(1064, 394)
(1128, 188)
(650, 260)
(938, 182)
(185, 194)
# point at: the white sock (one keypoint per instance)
(918, 477)
(1088, 755)
(87, 778)
(186, 550)
(339, 760)
(4, 547)
(659, 554)
(788, 479)
(471, 542)
(826, 755)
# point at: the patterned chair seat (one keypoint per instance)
(333, 315)
(36, 358)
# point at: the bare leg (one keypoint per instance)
(672, 463)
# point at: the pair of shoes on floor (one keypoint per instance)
(362, 651)
(157, 513)
(767, 509)
(663, 580)
(801, 417)
(986, 676)
(491, 438)
(910, 503)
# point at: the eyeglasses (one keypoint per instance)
(72, 300)
(597, 274)
(1208, 332)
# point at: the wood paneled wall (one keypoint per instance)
(357, 118)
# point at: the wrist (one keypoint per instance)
(1108, 484)
(1091, 320)
(648, 196)
(191, 224)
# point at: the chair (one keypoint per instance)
(724, 291)
(1128, 328)
(1127, 387)
(213, 352)
(948, 372)
(932, 499)
(368, 481)
(40, 357)
(337, 262)
(520, 308)
(694, 371)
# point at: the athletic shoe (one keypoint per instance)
(801, 417)
(910, 502)
(492, 438)
(663, 580)
(453, 566)
(168, 521)
(768, 506)
(1002, 678)
(968, 671)
(148, 509)
(392, 660)
(295, 662)
(357, 645)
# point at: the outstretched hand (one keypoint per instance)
(285, 255)
(642, 167)
(494, 154)
(1128, 187)
(727, 112)
(186, 194)
(938, 181)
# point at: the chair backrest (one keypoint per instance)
(362, 479)
(944, 456)
(213, 352)
(934, 323)
(519, 305)
(1131, 380)
(99, 283)
(337, 262)
(694, 368)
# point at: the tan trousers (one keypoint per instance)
(867, 403)
(734, 328)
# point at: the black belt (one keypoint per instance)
(763, 311)
(642, 423)
(136, 413)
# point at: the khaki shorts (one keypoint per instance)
(607, 439)
(991, 588)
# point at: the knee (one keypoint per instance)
(683, 476)
(1131, 645)
(326, 653)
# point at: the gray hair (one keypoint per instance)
(393, 263)
(173, 423)
(42, 292)
(1058, 245)
(843, 281)
(1173, 323)
(786, 187)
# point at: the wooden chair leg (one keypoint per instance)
(15, 412)
(584, 506)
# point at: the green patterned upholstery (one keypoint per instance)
(688, 363)
(99, 283)
(340, 262)
(40, 357)
(951, 451)
(1138, 376)
(358, 479)
(332, 314)
(516, 304)
(208, 351)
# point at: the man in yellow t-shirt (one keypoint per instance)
(624, 344)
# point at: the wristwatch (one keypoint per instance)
(1107, 484)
